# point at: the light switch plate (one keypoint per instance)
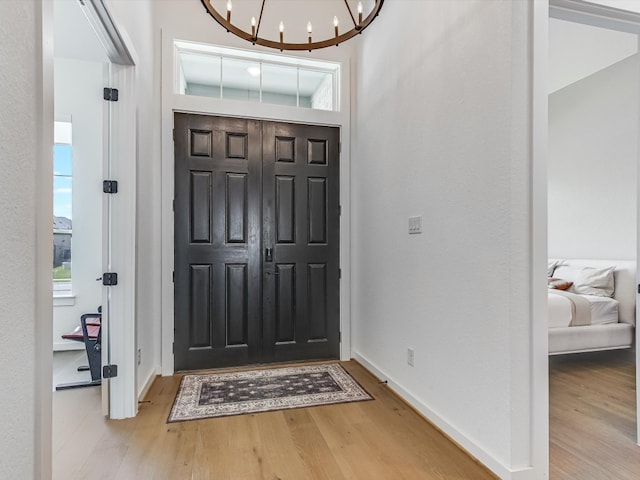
(410, 356)
(415, 225)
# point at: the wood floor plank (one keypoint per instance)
(592, 417)
(311, 446)
(280, 459)
(380, 439)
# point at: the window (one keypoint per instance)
(217, 72)
(62, 207)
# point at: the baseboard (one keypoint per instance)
(471, 448)
(147, 385)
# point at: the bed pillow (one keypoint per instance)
(551, 266)
(558, 283)
(588, 280)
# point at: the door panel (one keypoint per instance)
(217, 251)
(257, 242)
(301, 203)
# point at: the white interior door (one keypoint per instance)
(119, 215)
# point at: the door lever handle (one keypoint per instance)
(268, 254)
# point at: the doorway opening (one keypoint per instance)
(90, 58)
(592, 219)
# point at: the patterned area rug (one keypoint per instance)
(222, 394)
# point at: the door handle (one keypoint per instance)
(268, 254)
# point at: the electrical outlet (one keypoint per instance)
(139, 356)
(410, 354)
(415, 225)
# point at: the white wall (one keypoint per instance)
(78, 96)
(26, 239)
(442, 132)
(136, 19)
(593, 156)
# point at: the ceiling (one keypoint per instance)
(577, 51)
(73, 36)
(630, 5)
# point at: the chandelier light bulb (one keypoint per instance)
(281, 31)
(309, 28)
(360, 12)
(253, 27)
(229, 7)
(335, 24)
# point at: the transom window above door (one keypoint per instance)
(234, 74)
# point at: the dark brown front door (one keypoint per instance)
(256, 242)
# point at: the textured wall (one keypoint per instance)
(22, 318)
(442, 132)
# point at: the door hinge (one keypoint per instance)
(109, 371)
(339, 210)
(173, 276)
(638, 288)
(173, 204)
(110, 94)
(174, 134)
(339, 273)
(173, 347)
(109, 279)
(339, 337)
(110, 186)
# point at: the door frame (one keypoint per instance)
(175, 103)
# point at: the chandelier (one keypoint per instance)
(357, 23)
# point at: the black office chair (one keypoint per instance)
(90, 333)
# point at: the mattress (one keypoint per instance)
(604, 310)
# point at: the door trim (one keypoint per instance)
(539, 341)
(172, 103)
(123, 398)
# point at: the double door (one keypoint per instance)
(256, 242)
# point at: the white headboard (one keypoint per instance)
(625, 283)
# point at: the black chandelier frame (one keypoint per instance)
(360, 23)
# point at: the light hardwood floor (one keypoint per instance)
(592, 417)
(381, 439)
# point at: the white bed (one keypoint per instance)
(610, 322)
